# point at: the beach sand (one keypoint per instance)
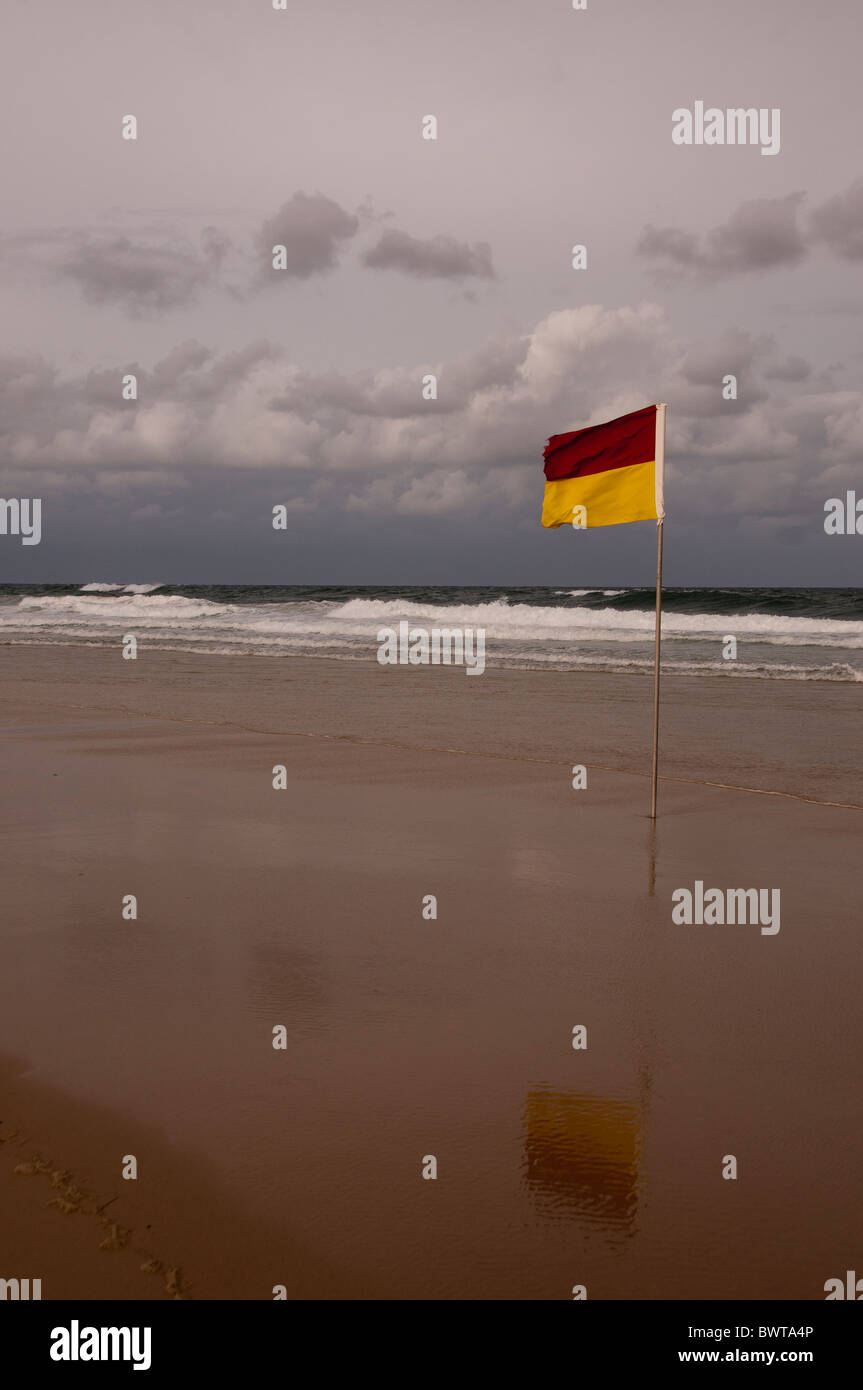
(409, 1037)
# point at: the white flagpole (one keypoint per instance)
(660, 514)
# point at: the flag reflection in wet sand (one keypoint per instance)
(581, 1156)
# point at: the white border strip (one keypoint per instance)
(659, 465)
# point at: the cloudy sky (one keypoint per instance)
(405, 256)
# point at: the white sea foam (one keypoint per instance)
(97, 588)
(121, 608)
(517, 634)
(518, 620)
(582, 593)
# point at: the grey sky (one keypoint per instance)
(406, 256)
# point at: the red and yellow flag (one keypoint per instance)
(605, 474)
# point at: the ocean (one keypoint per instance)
(781, 634)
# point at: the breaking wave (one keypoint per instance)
(573, 629)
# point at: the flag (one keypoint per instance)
(605, 474)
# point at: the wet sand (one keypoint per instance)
(408, 1037)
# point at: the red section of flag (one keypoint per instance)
(628, 439)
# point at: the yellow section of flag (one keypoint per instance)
(602, 499)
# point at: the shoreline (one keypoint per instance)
(727, 672)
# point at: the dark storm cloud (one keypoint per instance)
(794, 368)
(762, 234)
(155, 269)
(706, 366)
(437, 257)
(312, 229)
(215, 245)
(743, 354)
(143, 277)
(839, 223)
(735, 352)
(144, 272)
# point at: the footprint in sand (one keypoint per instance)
(173, 1277)
(61, 1204)
(174, 1284)
(117, 1238)
(71, 1199)
(34, 1166)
